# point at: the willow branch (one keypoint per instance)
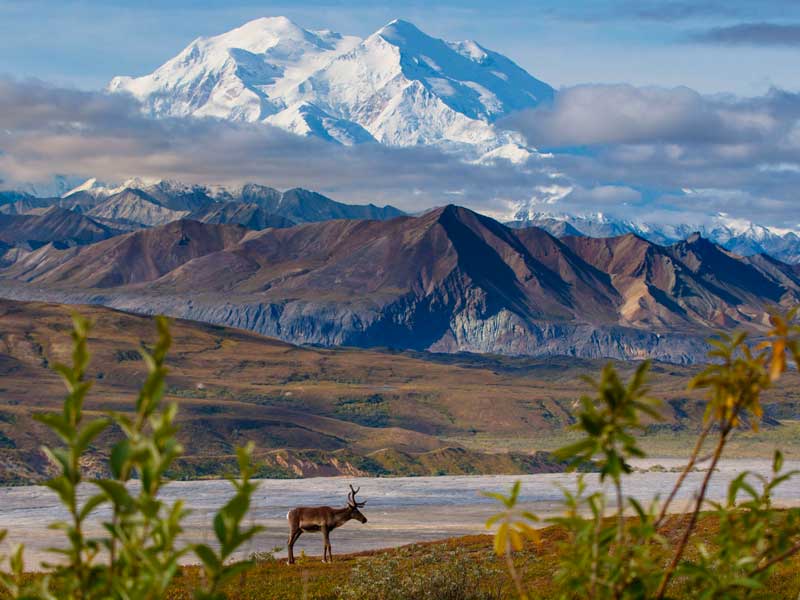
(689, 466)
(775, 560)
(670, 571)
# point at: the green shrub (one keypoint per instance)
(138, 554)
(630, 558)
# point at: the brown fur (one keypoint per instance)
(324, 519)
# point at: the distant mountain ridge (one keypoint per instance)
(739, 236)
(157, 202)
(248, 215)
(94, 211)
(450, 280)
(59, 225)
(146, 203)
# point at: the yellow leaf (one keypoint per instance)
(500, 539)
(778, 365)
(529, 531)
(516, 539)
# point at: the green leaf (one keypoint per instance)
(512, 500)
(777, 461)
(496, 496)
(237, 507)
(56, 423)
(90, 504)
(208, 558)
(89, 432)
(220, 527)
(115, 491)
(120, 455)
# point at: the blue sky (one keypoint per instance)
(85, 43)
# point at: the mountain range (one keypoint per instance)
(146, 203)
(93, 211)
(449, 280)
(737, 235)
(305, 268)
(54, 225)
(398, 86)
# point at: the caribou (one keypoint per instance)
(324, 519)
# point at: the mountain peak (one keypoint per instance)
(401, 30)
(91, 186)
(694, 238)
(262, 33)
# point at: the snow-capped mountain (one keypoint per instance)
(737, 235)
(398, 86)
(152, 202)
(242, 74)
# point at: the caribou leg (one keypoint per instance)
(326, 547)
(293, 535)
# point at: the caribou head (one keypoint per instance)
(354, 505)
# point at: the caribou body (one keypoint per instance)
(324, 519)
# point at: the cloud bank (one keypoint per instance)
(751, 34)
(652, 153)
(46, 130)
(736, 155)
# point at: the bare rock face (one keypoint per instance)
(450, 280)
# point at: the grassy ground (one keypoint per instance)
(463, 568)
(456, 569)
(784, 434)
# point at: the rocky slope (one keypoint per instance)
(450, 280)
(59, 225)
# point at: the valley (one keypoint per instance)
(317, 412)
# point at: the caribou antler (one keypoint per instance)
(351, 497)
